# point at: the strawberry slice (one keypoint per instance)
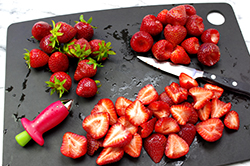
(134, 147)
(201, 96)
(128, 126)
(204, 113)
(117, 136)
(93, 144)
(159, 108)
(137, 113)
(232, 120)
(110, 155)
(186, 81)
(106, 105)
(167, 125)
(176, 93)
(219, 108)
(181, 113)
(155, 146)
(193, 119)
(164, 97)
(216, 89)
(210, 130)
(73, 145)
(96, 124)
(176, 147)
(147, 94)
(121, 104)
(188, 132)
(145, 129)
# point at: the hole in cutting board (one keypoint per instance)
(215, 18)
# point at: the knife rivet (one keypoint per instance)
(213, 76)
(234, 83)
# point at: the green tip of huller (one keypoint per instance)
(23, 138)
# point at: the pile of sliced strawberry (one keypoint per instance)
(183, 31)
(60, 43)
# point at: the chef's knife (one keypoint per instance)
(227, 83)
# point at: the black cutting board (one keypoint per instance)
(122, 75)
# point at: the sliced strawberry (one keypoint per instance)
(210, 130)
(155, 146)
(145, 129)
(147, 94)
(73, 145)
(164, 97)
(181, 113)
(128, 126)
(166, 126)
(176, 93)
(176, 147)
(159, 108)
(134, 147)
(218, 91)
(110, 155)
(186, 81)
(106, 105)
(188, 132)
(93, 144)
(96, 124)
(193, 119)
(232, 120)
(180, 56)
(137, 113)
(117, 136)
(121, 104)
(219, 108)
(201, 96)
(204, 112)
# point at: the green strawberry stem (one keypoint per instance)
(81, 18)
(79, 52)
(55, 33)
(104, 51)
(92, 61)
(27, 57)
(57, 86)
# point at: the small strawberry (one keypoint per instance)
(121, 104)
(208, 54)
(201, 96)
(128, 126)
(47, 45)
(59, 82)
(58, 62)
(181, 113)
(186, 81)
(146, 128)
(141, 41)
(110, 155)
(210, 130)
(188, 132)
(177, 15)
(147, 94)
(191, 45)
(134, 147)
(179, 56)
(176, 93)
(40, 29)
(84, 29)
(36, 58)
(155, 146)
(218, 91)
(204, 112)
(219, 108)
(162, 50)
(160, 109)
(87, 87)
(73, 145)
(161, 16)
(190, 10)
(232, 120)
(175, 33)
(210, 35)
(167, 125)
(194, 25)
(164, 97)
(151, 25)
(93, 144)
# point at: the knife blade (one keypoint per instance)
(174, 69)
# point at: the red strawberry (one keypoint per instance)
(208, 54)
(232, 120)
(219, 108)
(155, 146)
(93, 144)
(36, 58)
(58, 62)
(40, 29)
(177, 15)
(59, 82)
(146, 128)
(191, 45)
(193, 119)
(141, 41)
(87, 87)
(162, 16)
(147, 94)
(121, 104)
(128, 126)
(96, 125)
(194, 25)
(210, 35)
(84, 29)
(201, 96)
(175, 33)
(117, 136)
(73, 145)
(176, 147)
(160, 109)
(210, 130)
(137, 113)
(204, 112)
(186, 81)
(188, 132)
(106, 105)
(218, 91)
(110, 155)
(176, 93)
(47, 44)
(63, 32)
(166, 125)
(164, 97)
(179, 56)
(190, 10)
(151, 25)
(134, 147)
(181, 113)
(162, 50)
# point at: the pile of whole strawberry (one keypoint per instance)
(182, 28)
(63, 41)
(164, 123)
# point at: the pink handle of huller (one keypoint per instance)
(50, 117)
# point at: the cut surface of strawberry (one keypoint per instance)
(210, 35)
(219, 108)
(128, 126)
(180, 56)
(159, 108)
(110, 155)
(176, 92)
(208, 54)
(121, 104)
(201, 96)
(232, 120)
(134, 147)
(204, 112)
(181, 113)
(147, 94)
(167, 125)
(218, 91)
(186, 81)
(145, 129)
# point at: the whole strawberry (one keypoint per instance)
(84, 29)
(58, 62)
(151, 25)
(177, 15)
(87, 87)
(40, 29)
(141, 41)
(47, 44)
(36, 58)
(194, 25)
(162, 49)
(175, 33)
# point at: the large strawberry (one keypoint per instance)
(177, 15)
(87, 87)
(36, 58)
(151, 25)
(175, 33)
(58, 62)
(208, 54)
(84, 29)
(40, 29)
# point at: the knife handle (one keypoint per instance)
(228, 83)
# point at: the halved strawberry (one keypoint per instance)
(117, 136)
(164, 97)
(186, 81)
(204, 112)
(176, 93)
(232, 120)
(219, 108)
(201, 96)
(73, 145)
(137, 113)
(180, 56)
(181, 113)
(121, 104)
(218, 91)
(159, 108)
(193, 119)
(128, 126)
(93, 144)
(96, 124)
(167, 125)
(134, 147)
(147, 94)
(188, 132)
(210, 130)
(146, 128)
(110, 155)
(176, 147)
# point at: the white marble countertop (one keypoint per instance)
(13, 11)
